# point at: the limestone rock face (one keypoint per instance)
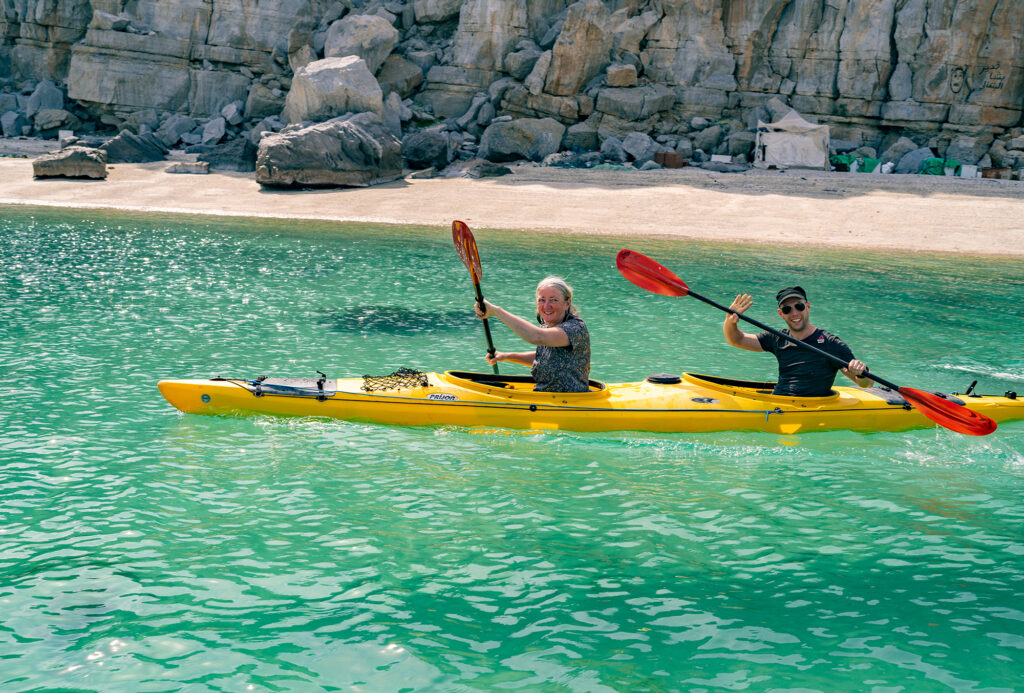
(487, 31)
(354, 150)
(431, 11)
(42, 34)
(330, 87)
(181, 56)
(72, 162)
(950, 70)
(581, 50)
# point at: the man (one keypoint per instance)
(802, 373)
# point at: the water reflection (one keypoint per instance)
(396, 320)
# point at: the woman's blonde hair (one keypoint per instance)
(566, 292)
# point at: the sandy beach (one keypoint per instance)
(797, 207)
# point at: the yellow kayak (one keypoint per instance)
(687, 403)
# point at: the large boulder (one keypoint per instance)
(741, 143)
(129, 148)
(635, 103)
(72, 162)
(523, 138)
(898, 149)
(171, 130)
(264, 101)
(369, 36)
(49, 120)
(235, 155)
(581, 50)
(534, 82)
(331, 87)
(399, 75)
(44, 97)
(15, 124)
(520, 62)
(582, 136)
(640, 147)
(968, 150)
(708, 138)
(621, 75)
(427, 148)
(354, 150)
(911, 161)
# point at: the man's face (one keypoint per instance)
(794, 311)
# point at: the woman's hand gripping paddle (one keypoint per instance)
(648, 274)
(465, 245)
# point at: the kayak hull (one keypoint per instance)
(694, 404)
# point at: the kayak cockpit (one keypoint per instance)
(518, 383)
(763, 390)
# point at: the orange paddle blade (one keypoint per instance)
(951, 415)
(465, 246)
(650, 275)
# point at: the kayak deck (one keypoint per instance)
(688, 403)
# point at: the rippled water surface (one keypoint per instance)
(145, 550)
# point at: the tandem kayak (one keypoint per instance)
(687, 403)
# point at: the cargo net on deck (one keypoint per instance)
(400, 379)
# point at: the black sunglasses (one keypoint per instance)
(798, 307)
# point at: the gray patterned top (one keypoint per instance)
(564, 369)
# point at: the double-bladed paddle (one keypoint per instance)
(465, 245)
(650, 275)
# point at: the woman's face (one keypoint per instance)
(551, 305)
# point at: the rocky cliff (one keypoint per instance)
(945, 73)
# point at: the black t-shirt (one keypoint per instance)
(802, 373)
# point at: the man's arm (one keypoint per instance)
(853, 371)
(733, 334)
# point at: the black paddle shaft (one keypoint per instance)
(805, 345)
(487, 327)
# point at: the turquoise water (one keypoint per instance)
(145, 550)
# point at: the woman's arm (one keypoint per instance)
(534, 334)
(523, 357)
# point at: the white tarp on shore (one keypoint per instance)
(791, 142)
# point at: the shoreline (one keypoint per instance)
(877, 212)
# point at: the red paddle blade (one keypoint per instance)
(648, 274)
(465, 245)
(953, 416)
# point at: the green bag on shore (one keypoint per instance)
(937, 167)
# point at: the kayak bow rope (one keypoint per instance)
(465, 246)
(648, 274)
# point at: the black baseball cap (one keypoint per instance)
(790, 292)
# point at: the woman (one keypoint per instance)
(561, 362)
